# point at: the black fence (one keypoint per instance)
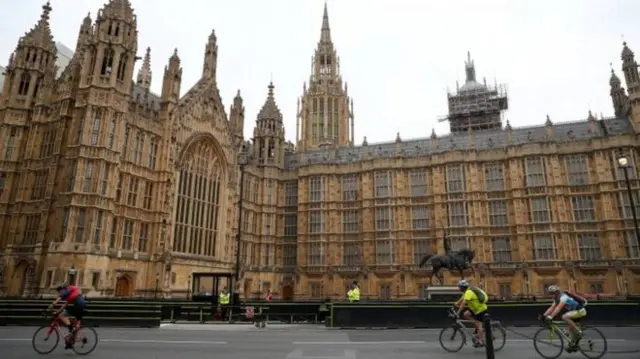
(150, 313)
(108, 314)
(434, 315)
(400, 314)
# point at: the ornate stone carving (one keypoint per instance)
(618, 266)
(483, 269)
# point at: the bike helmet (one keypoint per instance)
(553, 289)
(463, 284)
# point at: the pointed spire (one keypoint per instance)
(548, 121)
(270, 110)
(627, 54)
(325, 35)
(87, 19)
(40, 34)
(210, 57)
(470, 68)
(614, 80)
(174, 64)
(591, 117)
(508, 126)
(144, 74)
(433, 134)
(175, 59)
(118, 9)
(398, 139)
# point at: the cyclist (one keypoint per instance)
(572, 306)
(474, 300)
(71, 295)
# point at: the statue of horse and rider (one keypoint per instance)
(453, 260)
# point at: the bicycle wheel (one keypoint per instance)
(546, 340)
(499, 337)
(86, 340)
(450, 335)
(45, 335)
(593, 343)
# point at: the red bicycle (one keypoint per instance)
(83, 342)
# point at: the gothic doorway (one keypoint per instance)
(21, 279)
(123, 286)
(287, 292)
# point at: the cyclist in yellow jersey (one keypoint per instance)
(474, 300)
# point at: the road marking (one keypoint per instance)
(408, 342)
(141, 341)
(300, 354)
(362, 343)
(161, 341)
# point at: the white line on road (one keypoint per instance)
(142, 341)
(400, 342)
(161, 341)
(361, 343)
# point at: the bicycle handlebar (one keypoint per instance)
(453, 313)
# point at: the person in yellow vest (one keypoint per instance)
(354, 293)
(474, 304)
(223, 303)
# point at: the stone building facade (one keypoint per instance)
(129, 190)
(137, 191)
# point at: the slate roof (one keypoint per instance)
(563, 132)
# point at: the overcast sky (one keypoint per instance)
(398, 56)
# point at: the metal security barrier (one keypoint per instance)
(113, 314)
(430, 315)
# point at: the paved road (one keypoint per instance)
(192, 341)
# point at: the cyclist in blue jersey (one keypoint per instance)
(572, 306)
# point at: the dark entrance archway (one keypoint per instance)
(124, 286)
(287, 292)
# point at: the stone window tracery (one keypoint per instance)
(199, 200)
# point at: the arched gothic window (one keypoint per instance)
(199, 201)
(107, 62)
(25, 80)
(122, 67)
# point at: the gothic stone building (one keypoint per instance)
(101, 176)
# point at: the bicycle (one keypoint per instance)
(80, 337)
(460, 326)
(554, 330)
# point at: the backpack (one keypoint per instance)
(581, 301)
(482, 296)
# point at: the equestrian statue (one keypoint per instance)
(458, 260)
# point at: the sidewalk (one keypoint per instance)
(236, 327)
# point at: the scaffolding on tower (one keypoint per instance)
(476, 107)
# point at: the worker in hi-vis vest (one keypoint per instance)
(354, 293)
(223, 303)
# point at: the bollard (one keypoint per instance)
(488, 337)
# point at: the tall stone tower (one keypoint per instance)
(91, 177)
(26, 163)
(325, 111)
(268, 135)
(632, 78)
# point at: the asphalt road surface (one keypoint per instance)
(193, 341)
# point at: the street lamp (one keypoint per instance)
(623, 162)
(72, 275)
(243, 160)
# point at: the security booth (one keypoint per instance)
(206, 286)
